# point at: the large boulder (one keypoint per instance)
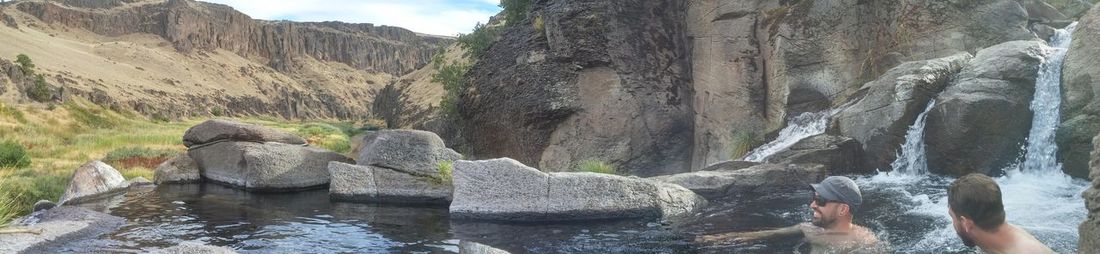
(179, 169)
(411, 151)
(983, 117)
(1090, 229)
(759, 178)
(882, 112)
(225, 130)
(504, 189)
(379, 184)
(1080, 100)
(839, 155)
(265, 166)
(92, 180)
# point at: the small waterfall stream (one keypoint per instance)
(911, 159)
(802, 126)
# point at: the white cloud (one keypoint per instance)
(440, 17)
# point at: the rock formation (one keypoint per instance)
(581, 89)
(252, 157)
(1080, 100)
(191, 26)
(983, 117)
(884, 108)
(504, 189)
(759, 178)
(839, 155)
(396, 166)
(1090, 229)
(179, 169)
(734, 69)
(92, 180)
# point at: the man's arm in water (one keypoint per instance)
(754, 235)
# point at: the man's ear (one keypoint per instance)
(967, 223)
(845, 209)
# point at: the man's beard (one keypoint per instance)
(824, 222)
(965, 239)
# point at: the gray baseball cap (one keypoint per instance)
(840, 189)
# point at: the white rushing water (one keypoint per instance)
(802, 126)
(911, 159)
(1037, 196)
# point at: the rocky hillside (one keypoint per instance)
(658, 87)
(182, 57)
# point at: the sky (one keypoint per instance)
(438, 17)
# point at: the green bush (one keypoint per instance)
(596, 166)
(446, 169)
(20, 190)
(478, 41)
(25, 64)
(40, 92)
(451, 76)
(217, 111)
(515, 11)
(13, 155)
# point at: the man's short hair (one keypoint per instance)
(977, 197)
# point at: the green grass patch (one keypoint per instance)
(596, 166)
(12, 154)
(22, 188)
(90, 117)
(325, 136)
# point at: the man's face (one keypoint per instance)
(824, 215)
(957, 223)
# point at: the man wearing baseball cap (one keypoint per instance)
(831, 230)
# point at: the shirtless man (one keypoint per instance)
(831, 231)
(974, 202)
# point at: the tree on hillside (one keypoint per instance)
(25, 64)
(515, 10)
(393, 105)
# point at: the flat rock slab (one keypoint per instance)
(59, 226)
(756, 178)
(504, 189)
(383, 185)
(224, 130)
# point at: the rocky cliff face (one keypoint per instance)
(191, 25)
(745, 67)
(1080, 87)
(182, 58)
(605, 80)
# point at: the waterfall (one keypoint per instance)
(911, 159)
(802, 126)
(1037, 196)
(1042, 152)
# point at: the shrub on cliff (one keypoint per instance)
(451, 76)
(515, 11)
(478, 41)
(25, 64)
(40, 92)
